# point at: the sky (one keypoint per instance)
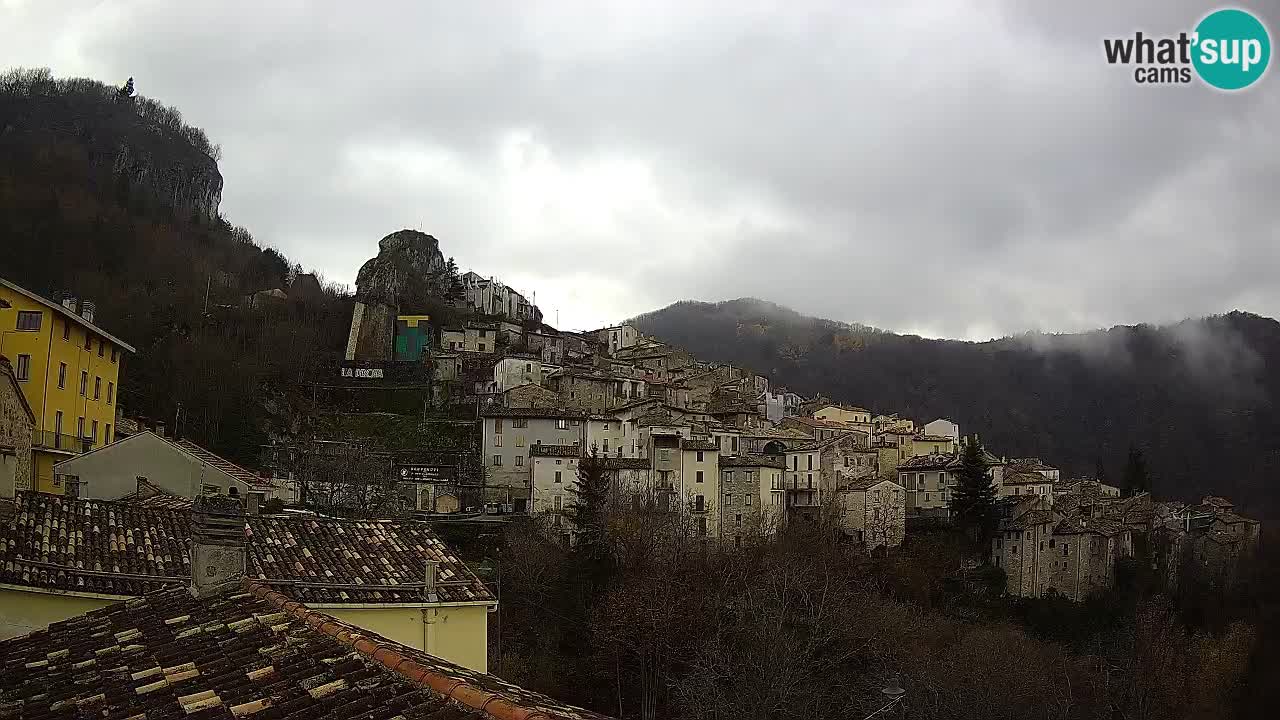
(952, 168)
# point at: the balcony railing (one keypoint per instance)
(47, 440)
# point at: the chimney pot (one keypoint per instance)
(87, 309)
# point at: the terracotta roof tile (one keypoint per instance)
(117, 548)
(223, 464)
(235, 655)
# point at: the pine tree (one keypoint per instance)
(1135, 473)
(125, 93)
(973, 502)
(587, 514)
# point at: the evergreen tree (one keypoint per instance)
(587, 514)
(455, 292)
(125, 94)
(973, 501)
(1135, 473)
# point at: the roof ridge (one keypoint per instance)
(491, 704)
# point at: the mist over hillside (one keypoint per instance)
(1198, 396)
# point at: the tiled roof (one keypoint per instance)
(223, 464)
(1231, 518)
(534, 413)
(935, 438)
(933, 461)
(688, 444)
(1025, 478)
(169, 655)
(752, 461)
(1029, 464)
(624, 463)
(1216, 501)
(375, 555)
(1081, 525)
(116, 548)
(556, 450)
(151, 496)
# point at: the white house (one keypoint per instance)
(179, 467)
(516, 370)
(942, 427)
(874, 511)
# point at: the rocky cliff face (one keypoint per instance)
(152, 166)
(408, 268)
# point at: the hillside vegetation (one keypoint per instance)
(115, 200)
(1198, 397)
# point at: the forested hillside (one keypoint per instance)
(1198, 397)
(112, 198)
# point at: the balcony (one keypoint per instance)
(61, 442)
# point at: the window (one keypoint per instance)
(795, 462)
(698, 477)
(746, 500)
(573, 423)
(699, 456)
(728, 500)
(66, 329)
(94, 433)
(1041, 546)
(699, 503)
(1066, 549)
(810, 481)
(734, 441)
(88, 341)
(1013, 549)
(57, 424)
(562, 424)
(519, 461)
(80, 427)
(728, 476)
(97, 387)
(559, 502)
(528, 367)
(520, 422)
(111, 391)
(106, 434)
(810, 457)
(606, 444)
(23, 371)
(1051, 542)
(62, 375)
(29, 320)
(875, 513)
(101, 348)
(497, 461)
(497, 441)
(558, 474)
(497, 425)
(113, 354)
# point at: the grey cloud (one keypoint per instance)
(958, 169)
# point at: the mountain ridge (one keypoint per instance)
(1199, 396)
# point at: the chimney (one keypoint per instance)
(160, 428)
(217, 545)
(87, 307)
(251, 503)
(69, 302)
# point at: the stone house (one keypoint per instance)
(751, 489)
(873, 511)
(17, 425)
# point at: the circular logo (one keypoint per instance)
(1232, 49)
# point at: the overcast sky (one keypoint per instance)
(958, 168)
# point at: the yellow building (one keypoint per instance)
(69, 370)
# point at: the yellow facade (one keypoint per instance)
(457, 633)
(25, 610)
(69, 370)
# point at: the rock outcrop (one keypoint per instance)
(408, 269)
(145, 165)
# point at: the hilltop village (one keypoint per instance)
(455, 401)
